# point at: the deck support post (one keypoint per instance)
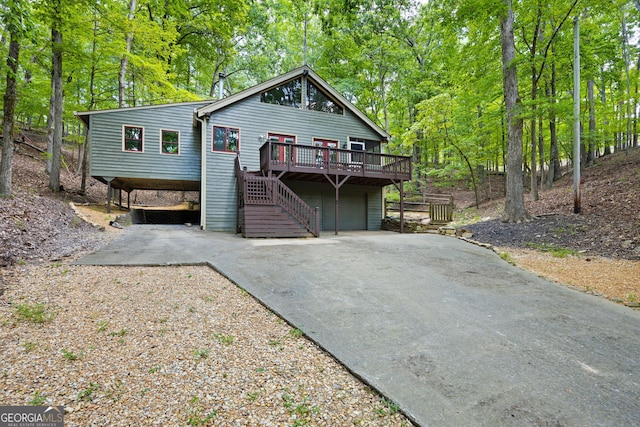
(129, 200)
(109, 196)
(337, 184)
(337, 214)
(401, 190)
(401, 206)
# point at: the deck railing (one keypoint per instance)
(277, 156)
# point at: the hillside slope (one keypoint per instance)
(609, 224)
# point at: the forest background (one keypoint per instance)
(434, 75)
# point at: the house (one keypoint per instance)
(287, 157)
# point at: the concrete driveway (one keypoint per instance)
(447, 330)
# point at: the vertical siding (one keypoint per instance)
(108, 159)
(374, 209)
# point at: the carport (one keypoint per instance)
(179, 214)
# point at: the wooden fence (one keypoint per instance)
(439, 207)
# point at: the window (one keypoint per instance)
(225, 139)
(317, 100)
(132, 137)
(289, 94)
(169, 141)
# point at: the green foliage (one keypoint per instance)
(35, 313)
(552, 249)
(427, 72)
(196, 415)
(38, 399)
(201, 354)
(224, 339)
(87, 394)
(505, 256)
(68, 355)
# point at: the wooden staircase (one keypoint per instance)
(268, 208)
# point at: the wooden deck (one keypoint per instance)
(308, 163)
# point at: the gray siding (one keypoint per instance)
(221, 195)
(256, 120)
(109, 160)
(360, 206)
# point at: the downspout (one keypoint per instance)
(203, 170)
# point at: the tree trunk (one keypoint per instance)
(514, 210)
(591, 150)
(10, 98)
(555, 170)
(56, 154)
(627, 66)
(50, 124)
(603, 99)
(92, 102)
(541, 152)
(635, 106)
(124, 61)
(537, 35)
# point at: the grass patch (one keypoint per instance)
(120, 333)
(224, 339)
(197, 415)
(387, 408)
(200, 354)
(38, 399)
(296, 333)
(86, 395)
(35, 313)
(303, 410)
(553, 250)
(29, 346)
(68, 355)
(506, 257)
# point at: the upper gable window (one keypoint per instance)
(170, 142)
(225, 139)
(132, 138)
(288, 93)
(317, 100)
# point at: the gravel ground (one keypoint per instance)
(169, 346)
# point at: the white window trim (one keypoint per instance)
(144, 132)
(179, 141)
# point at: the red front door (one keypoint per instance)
(282, 153)
(324, 156)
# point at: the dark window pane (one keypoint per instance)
(319, 101)
(132, 138)
(170, 140)
(225, 139)
(289, 94)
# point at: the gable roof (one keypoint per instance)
(304, 70)
(84, 115)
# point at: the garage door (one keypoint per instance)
(352, 214)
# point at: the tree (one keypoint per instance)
(514, 210)
(124, 61)
(14, 19)
(57, 99)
